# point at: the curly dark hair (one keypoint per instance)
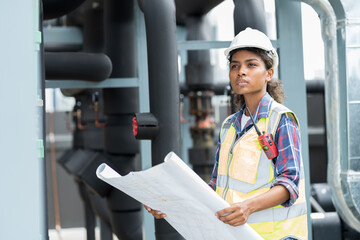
(274, 86)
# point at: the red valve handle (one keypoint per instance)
(135, 126)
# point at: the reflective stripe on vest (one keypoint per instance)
(245, 172)
(278, 214)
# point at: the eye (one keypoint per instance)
(252, 64)
(234, 66)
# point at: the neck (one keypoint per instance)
(252, 103)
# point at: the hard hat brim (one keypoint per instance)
(274, 54)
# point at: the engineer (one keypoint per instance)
(268, 193)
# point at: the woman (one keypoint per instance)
(268, 194)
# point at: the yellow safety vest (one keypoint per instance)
(245, 172)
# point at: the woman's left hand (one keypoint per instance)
(235, 215)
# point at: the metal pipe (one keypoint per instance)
(162, 42)
(193, 8)
(316, 205)
(338, 186)
(199, 71)
(249, 14)
(77, 66)
(120, 104)
(90, 223)
(163, 84)
(315, 86)
(219, 88)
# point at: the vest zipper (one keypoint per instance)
(235, 140)
(228, 166)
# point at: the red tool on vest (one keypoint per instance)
(266, 141)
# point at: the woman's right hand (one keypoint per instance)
(157, 214)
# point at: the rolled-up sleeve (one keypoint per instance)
(288, 162)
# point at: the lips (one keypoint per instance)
(241, 82)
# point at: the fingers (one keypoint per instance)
(233, 219)
(224, 212)
(157, 214)
(233, 216)
(236, 221)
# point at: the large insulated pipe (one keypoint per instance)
(119, 106)
(193, 8)
(249, 14)
(338, 178)
(199, 71)
(161, 38)
(77, 66)
(58, 8)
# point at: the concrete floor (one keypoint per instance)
(72, 234)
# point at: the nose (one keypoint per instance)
(242, 70)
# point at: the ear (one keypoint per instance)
(269, 74)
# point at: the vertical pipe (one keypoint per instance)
(249, 14)
(89, 223)
(163, 84)
(163, 76)
(145, 145)
(119, 106)
(340, 177)
(199, 71)
(105, 231)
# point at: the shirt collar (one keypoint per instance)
(262, 111)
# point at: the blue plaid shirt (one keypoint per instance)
(287, 139)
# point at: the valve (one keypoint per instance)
(95, 98)
(145, 126)
(80, 126)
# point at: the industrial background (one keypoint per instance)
(158, 61)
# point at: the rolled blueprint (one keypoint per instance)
(175, 189)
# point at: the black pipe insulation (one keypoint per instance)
(89, 17)
(249, 14)
(218, 88)
(160, 24)
(198, 8)
(70, 92)
(199, 71)
(312, 86)
(77, 66)
(90, 222)
(120, 104)
(163, 75)
(93, 29)
(58, 8)
(315, 86)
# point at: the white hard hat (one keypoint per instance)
(253, 38)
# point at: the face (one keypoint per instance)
(248, 74)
